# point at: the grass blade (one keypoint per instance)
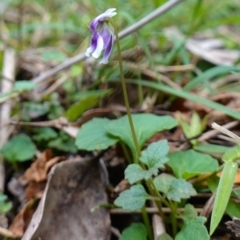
(211, 73)
(223, 193)
(186, 95)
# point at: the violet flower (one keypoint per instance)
(102, 36)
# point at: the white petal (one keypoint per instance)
(106, 15)
(89, 52)
(99, 47)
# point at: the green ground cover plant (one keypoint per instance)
(152, 100)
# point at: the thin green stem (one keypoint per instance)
(173, 217)
(137, 148)
(125, 96)
(126, 152)
(140, 90)
(158, 204)
(147, 223)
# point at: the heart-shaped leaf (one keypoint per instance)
(145, 125)
(163, 182)
(135, 231)
(187, 164)
(93, 135)
(175, 189)
(189, 213)
(155, 155)
(135, 173)
(194, 229)
(180, 189)
(133, 198)
(19, 148)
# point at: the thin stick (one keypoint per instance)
(226, 132)
(9, 67)
(150, 210)
(212, 133)
(156, 13)
(125, 96)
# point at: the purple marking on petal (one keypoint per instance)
(99, 48)
(106, 35)
(94, 25)
(93, 45)
(108, 51)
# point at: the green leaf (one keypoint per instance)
(22, 86)
(163, 182)
(155, 155)
(93, 135)
(44, 134)
(194, 229)
(236, 192)
(180, 189)
(20, 148)
(194, 128)
(96, 93)
(187, 164)
(133, 198)
(34, 110)
(164, 236)
(135, 173)
(210, 148)
(174, 189)
(189, 213)
(223, 193)
(145, 125)
(85, 100)
(77, 109)
(63, 143)
(135, 231)
(232, 154)
(186, 95)
(55, 108)
(210, 73)
(232, 207)
(5, 205)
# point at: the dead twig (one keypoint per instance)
(6, 233)
(226, 132)
(9, 67)
(150, 210)
(212, 133)
(152, 74)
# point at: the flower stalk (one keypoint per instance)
(137, 148)
(125, 96)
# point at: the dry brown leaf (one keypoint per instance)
(22, 219)
(123, 185)
(39, 169)
(35, 190)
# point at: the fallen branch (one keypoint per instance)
(9, 67)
